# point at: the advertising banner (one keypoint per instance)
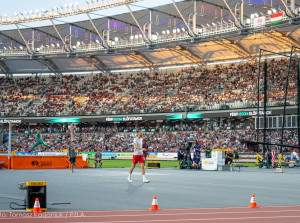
(166, 155)
(124, 155)
(209, 164)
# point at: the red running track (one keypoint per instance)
(270, 214)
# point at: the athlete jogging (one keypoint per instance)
(138, 157)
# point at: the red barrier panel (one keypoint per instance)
(4, 159)
(43, 162)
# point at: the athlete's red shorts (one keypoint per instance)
(138, 159)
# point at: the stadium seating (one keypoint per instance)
(192, 89)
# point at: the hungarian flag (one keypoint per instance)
(276, 18)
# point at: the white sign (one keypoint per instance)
(260, 21)
(10, 120)
(52, 154)
(166, 155)
(209, 164)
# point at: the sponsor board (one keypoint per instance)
(166, 155)
(52, 153)
(209, 164)
(124, 155)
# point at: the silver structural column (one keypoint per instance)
(191, 33)
(66, 47)
(237, 23)
(104, 44)
(26, 43)
(146, 39)
(288, 11)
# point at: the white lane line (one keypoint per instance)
(198, 219)
(156, 214)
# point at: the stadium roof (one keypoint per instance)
(59, 44)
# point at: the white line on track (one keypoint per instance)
(199, 219)
(171, 214)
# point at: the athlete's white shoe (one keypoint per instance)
(146, 181)
(129, 180)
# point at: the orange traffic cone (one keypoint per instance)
(253, 202)
(154, 205)
(37, 208)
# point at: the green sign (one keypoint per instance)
(118, 119)
(175, 116)
(62, 120)
(196, 115)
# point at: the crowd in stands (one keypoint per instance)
(107, 140)
(190, 89)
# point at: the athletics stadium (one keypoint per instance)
(149, 111)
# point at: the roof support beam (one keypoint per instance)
(4, 68)
(234, 47)
(188, 54)
(237, 23)
(50, 65)
(283, 38)
(30, 51)
(22, 44)
(66, 47)
(146, 39)
(96, 62)
(288, 11)
(104, 43)
(141, 58)
(191, 33)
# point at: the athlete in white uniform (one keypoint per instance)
(138, 156)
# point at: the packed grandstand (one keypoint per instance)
(190, 89)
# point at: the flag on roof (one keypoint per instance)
(276, 18)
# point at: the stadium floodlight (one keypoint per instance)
(178, 30)
(131, 37)
(214, 24)
(248, 21)
(4, 48)
(113, 43)
(274, 10)
(168, 32)
(200, 31)
(136, 36)
(37, 49)
(57, 44)
(47, 46)
(163, 32)
(78, 43)
(208, 25)
(269, 12)
(97, 41)
(154, 37)
(74, 47)
(183, 29)
(21, 47)
(140, 36)
(256, 15)
(116, 39)
(52, 45)
(174, 31)
(252, 16)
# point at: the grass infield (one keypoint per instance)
(127, 163)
